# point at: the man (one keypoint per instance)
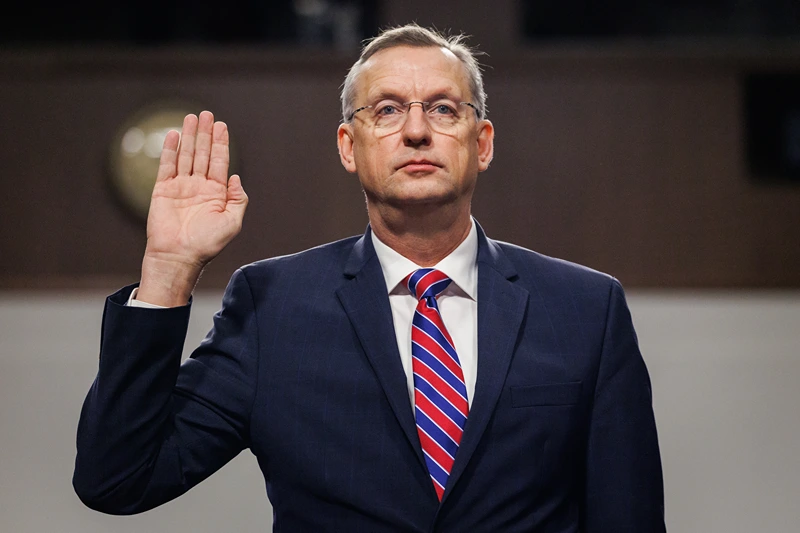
(420, 377)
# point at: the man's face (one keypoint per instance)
(416, 164)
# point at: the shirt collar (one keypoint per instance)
(460, 265)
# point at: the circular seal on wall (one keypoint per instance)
(135, 152)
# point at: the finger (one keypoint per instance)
(167, 166)
(202, 145)
(186, 150)
(220, 156)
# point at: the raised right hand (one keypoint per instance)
(195, 210)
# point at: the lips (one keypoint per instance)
(418, 164)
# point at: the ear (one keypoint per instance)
(344, 138)
(485, 145)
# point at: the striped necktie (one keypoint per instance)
(440, 395)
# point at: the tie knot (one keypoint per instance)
(426, 283)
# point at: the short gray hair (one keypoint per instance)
(416, 36)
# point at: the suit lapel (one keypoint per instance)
(366, 302)
(501, 308)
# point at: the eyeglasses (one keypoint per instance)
(388, 117)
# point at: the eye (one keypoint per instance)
(386, 110)
(442, 108)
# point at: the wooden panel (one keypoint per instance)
(629, 162)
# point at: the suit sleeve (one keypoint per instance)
(151, 428)
(624, 485)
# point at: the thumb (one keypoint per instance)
(237, 198)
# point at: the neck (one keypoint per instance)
(424, 236)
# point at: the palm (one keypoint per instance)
(195, 211)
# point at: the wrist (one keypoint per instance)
(168, 282)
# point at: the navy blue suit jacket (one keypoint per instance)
(302, 367)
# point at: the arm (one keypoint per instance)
(151, 428)
(624, 485)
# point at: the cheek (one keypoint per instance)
(465, 157)
(471, 152)
(371, 154)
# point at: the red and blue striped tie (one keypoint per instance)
(440, 395)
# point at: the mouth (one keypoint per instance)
(419, 165)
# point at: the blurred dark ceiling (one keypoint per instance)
(160, 22)
(345, 23)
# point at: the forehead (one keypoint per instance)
(412, 72)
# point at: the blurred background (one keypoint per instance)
(657, 141)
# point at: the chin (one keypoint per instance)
(432, 198)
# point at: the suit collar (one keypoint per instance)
(489, 253)
(362, 253)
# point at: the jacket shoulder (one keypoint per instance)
(554, 273)
(317, 261)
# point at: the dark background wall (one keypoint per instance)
(627, 156)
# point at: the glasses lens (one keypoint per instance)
(389, 116)
(444, 114)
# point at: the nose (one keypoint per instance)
(416, 129)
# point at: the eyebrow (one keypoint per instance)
(385, 95)
(390, 95)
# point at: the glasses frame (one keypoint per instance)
(408, 105)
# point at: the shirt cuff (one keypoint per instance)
(133, 302)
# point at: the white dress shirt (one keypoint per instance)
(458, 304)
